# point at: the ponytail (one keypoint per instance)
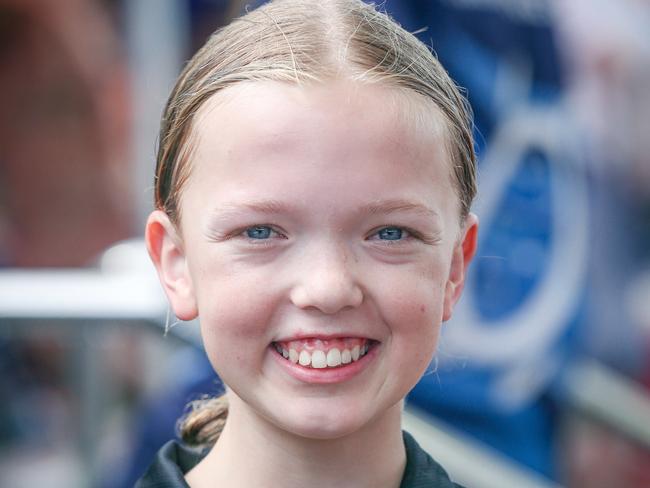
(203, 423)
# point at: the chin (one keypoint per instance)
(327, 423)
(321, 430)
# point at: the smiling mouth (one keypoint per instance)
(324, 353)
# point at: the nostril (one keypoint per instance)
(327, 299)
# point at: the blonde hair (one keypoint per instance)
(300, 41)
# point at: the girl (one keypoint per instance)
(313, 186)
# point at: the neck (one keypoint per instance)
(253, 452)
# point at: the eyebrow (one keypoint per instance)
(261, 206)
(397, 205)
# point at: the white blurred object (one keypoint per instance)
(124, 286)
(55, 468)
(600, 393)
(518, 346)
(606, 44)
(489, 468)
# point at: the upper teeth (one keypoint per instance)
(320, 359)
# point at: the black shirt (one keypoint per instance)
(174, 460)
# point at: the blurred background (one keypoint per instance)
(543, 372)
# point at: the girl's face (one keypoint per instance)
(318, 222)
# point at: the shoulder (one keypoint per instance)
(421, 470)
(169, 467)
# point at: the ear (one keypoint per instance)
(166, 250)
(463, 253)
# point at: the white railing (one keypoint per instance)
(467, 461)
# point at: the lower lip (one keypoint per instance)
(326, 376)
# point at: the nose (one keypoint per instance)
(327, 282)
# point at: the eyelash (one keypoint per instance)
(243, 233)
(409, 234)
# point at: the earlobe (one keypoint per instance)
(166, 251)
(462, 255)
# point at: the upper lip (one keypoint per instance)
(321, 336)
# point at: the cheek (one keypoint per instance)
(414, 338)
(413, 311)
(415, 324)
(234, 313)
(417, 297)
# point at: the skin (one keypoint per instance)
(326, 174)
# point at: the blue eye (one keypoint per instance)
(390, 234)
(259, 232)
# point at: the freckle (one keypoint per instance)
(423, 308)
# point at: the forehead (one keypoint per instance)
(261, 116)
(256, 130)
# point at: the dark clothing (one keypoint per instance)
(173, 460)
